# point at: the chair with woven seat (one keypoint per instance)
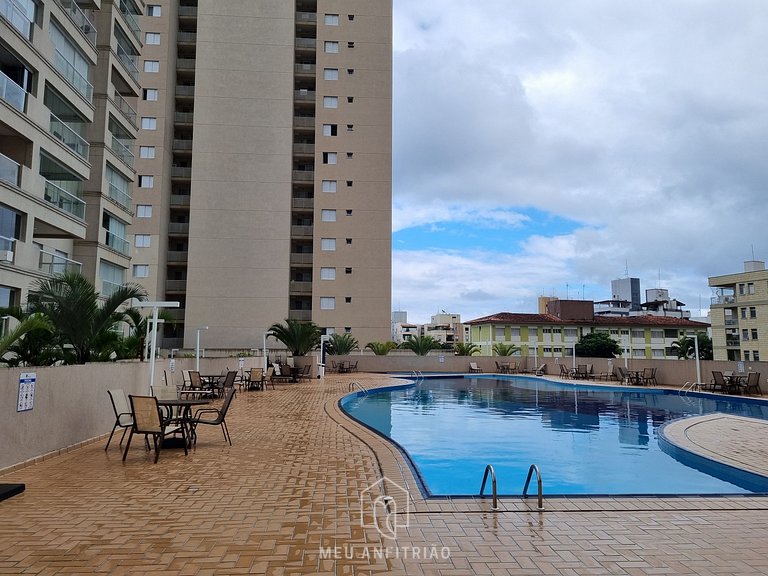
(718, 382)
(649, 377)
(123, 416)
(474, 368)
(753, 383)
(254, 379)
(148, 420)
(219, 417)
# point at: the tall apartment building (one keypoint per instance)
(264, 172)
(739, 313)
(68, 93)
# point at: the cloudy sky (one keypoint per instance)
(547, 146)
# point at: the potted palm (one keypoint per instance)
(300, 338)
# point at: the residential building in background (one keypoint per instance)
(739, 313)
(554, 334)
(445, 328)
(264, 178)
(232, 156)
(68, 126)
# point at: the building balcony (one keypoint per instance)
(178, 228)
(108, 288)
(182, 143)
(300, 315)
(185, 91)
(732, 342)
(304, 69)
(129, 62)
(12, 93)
(177, 256)
(301, 231)
(306, 18)
(179, 200)
(723, 299)
(309, 44)
(304, 95)
(52, 264)
(302, 203)
(121, 149)
(187, 12)
(122, 198)
(306, 122)
(130, 20)
(64, 200)
(7, 250)
(301, 259)
(303, 149)
(80, 19)
(62, 131)
(181, 172)
(76, 79)
(300, 287)
(184, 117)
(186, 38)
(303, 175)
(117, 243)
(126, 109)
(16, 18)
(185, 64)
(175, 286)
(10, 171)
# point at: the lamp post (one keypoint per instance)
(172, 352)
(155, 307)
(266, 335)
(696, 352)
(321, 369)
(197, 348)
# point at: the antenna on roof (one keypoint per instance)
(626, 268)
(753, 251)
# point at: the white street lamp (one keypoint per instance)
(197, 348)
(321, 368)
(155, 307)
(266, 335)
(173, 350)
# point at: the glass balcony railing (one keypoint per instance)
(10, 171)
(108, 288)
(16, 17)
(129, 61)
(119, 196)
(12, 93)
(122, 151)
(54, 264)
(72, 139)
(64, 200)
(118, 243)
(7, 249)
(78, 81)
(80, 19)
(125, 108)
(130, 19)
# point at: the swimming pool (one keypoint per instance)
(584, 439)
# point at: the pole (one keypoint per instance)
(152, 351)
(696, 352)
(197, 348)
(265, 350)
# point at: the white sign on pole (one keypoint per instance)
(241, 363)
(27, 382)
(173, 365)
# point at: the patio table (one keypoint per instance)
(185, 406)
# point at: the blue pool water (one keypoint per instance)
(585, 440)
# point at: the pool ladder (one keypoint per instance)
(495, 502)
(362, 388)
(417, 374)
(690, 387)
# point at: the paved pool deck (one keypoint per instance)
(286, 499)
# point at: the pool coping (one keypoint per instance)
(395, 467)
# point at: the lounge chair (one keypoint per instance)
(219, 416)
(255, 379)
(582, 373)
(269, 378)
(123, 415)
(718, 382)
(564, 371)
(306, 372)
(540, 370)
(473, 368)
(753, 383)
(148, 420)
(649, 377)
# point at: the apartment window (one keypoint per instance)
(143, 211)
(571, 333)
(350, 44)
(349, 212)
(148, 123)
(328, 215)
(119, 188)
(331, 74)
(150, 94)
(146, 181)
(330, 101)
(750, 287)
(111, 275)
(151, 66)
(547, 330)
(347, 270)
(348, 299)
(154, 11)
(514, 332)
(657, 334)
(327, 273)
(76, 65)
(331, 20)
(331, 47)
(141, 270)
(744, 313)
(350, 127)
(141, 240)
(498, 333)
(756, 355)
(327, 303)
(741, 289)
(744, 334)
(348, 329)
(754, 333)
(746, 355)
(152, 38)
(329, 157)
(656, 353)
(330, 129)
(614, 331)
(752, 312)
(329, 185)
(146, 152)
(328, 244)
(624, 332)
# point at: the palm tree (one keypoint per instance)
(342, 344)
(10, 342)
(381, 348)
(71, 303)
(421, 345)
(134, 345)
(502, 349)
(299, 337)
(466, 349)
(683, 347)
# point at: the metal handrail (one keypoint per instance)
(489, 468)
(531, 470)
(360, 386)
(690, 387)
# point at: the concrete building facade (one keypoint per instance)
(739, 313)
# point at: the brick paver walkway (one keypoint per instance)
(290, 486)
